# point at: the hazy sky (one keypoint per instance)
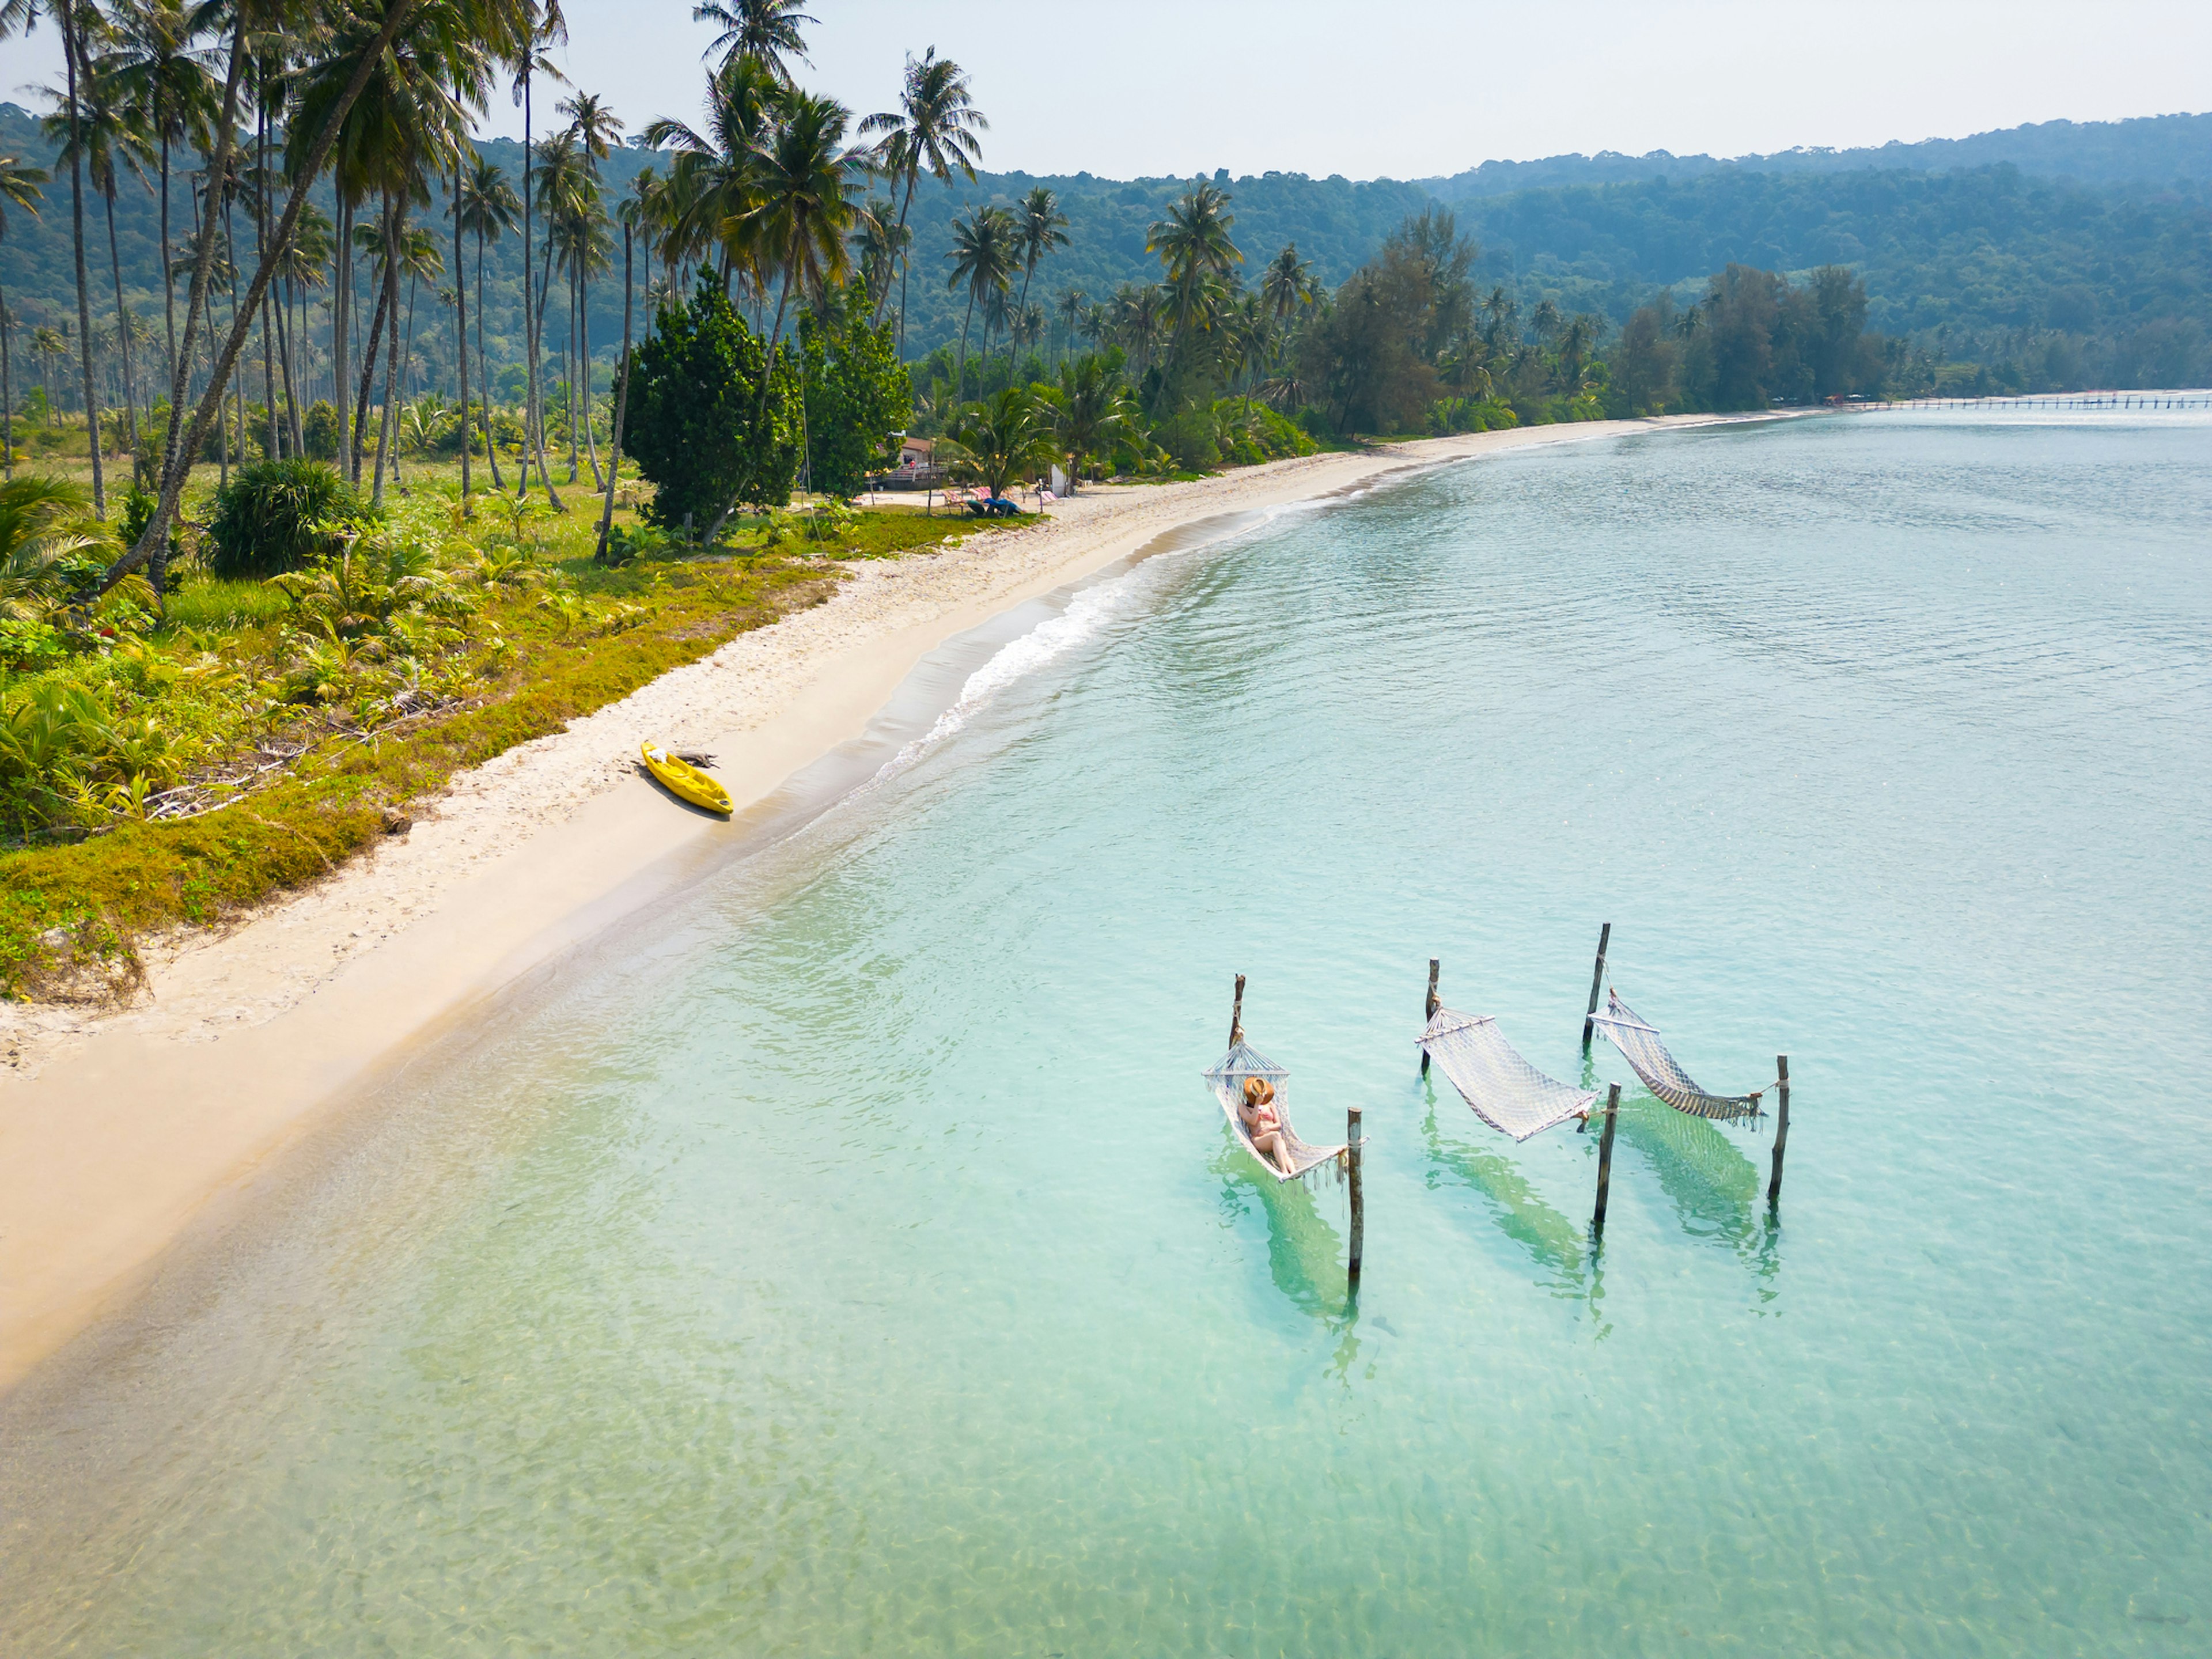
(1415, 87)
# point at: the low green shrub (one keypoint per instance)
(273, 517)
(219, 602)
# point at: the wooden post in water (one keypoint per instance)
(1436, 966)
(1781, 1130)
(1597, 979)
(1358, 1198)
(1237, 1015)
(1605, 1155)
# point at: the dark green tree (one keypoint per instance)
(859, 397)
(701, 425)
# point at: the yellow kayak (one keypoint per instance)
(685, 780)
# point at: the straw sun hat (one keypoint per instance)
(1258, 1092)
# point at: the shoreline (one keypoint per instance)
(120, 1134)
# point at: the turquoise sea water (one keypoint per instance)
(851, 1261)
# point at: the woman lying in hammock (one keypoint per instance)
(1264, 1125)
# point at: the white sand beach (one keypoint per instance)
(119, 1131)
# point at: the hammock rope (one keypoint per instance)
(1506, 1091)
(1640, 1045)
(1227, 1080)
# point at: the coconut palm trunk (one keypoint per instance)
(260, 252)
(461, 332)
(367, 383)
(341, 302)
(123, 340)
(284, 363)
(168, 272)
(960, 376)
(387, 302)
(483, 372)
(72, 48)
(584, 353)
(406, 374)
(621, 407)
(7, 393)
(533, 317)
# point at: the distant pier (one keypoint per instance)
(2045, 400)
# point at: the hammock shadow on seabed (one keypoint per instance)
(1305, 1252)
(1557, 1248)
(1712, 1188)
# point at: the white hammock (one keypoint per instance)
(1663, 1075)
(1241, 1062)
(1506, 1091)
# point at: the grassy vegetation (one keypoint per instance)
(253, 735)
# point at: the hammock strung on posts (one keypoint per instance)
(1639, 1044)
(1227, 1078)
(1506, 1091)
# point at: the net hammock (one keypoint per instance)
(1508, 1093)
(1241, 1062)
(1640, 1046)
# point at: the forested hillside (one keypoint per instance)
(1337, 224)
(1978, 262)
(1990, 264)
(2153, 149)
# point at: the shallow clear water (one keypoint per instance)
(853, 1262)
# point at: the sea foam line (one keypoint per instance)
(1087, 615)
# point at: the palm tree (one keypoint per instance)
(1287, 283)
(632, 213)
(1194, 246)
(42, 522)
(805, 179)
(933, 130)
(578, 236)
(365, 37)
(105, 138)
(487, 206)
(1135, 322)
(19, 187)
(46, 344)
(418, 258)
(1029, 327)
(1039, 228)
(712, 190)
(1070, 307)
(879, 241)
(302, 260)
(75, 18)
(546, 26)
(164, 76)
(1003, 437)
(594, 129)
(1498, 307)
(1093, 415)
(984, 257)
(763, 30)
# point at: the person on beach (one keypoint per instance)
(1264, 1125)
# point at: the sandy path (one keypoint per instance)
(117, 1131)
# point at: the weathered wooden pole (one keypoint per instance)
(1237, 1015)
(1358, 1197)
(1436, 966)
(1605, 1155)
(1781, 1130)
(1597, 979)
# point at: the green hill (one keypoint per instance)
(2100, 231)
(2152, 150)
